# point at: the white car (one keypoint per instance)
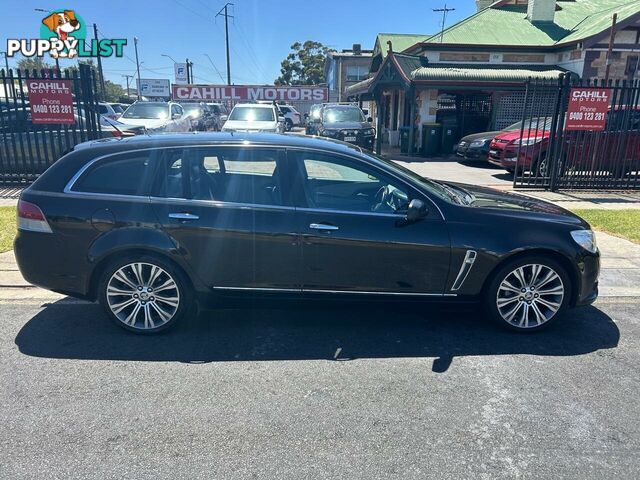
(110, 110)
(254, 117)
(157, 117)
(292, 117)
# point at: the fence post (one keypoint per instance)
(557, 122)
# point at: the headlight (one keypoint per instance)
(370, 132)
(329, 133)
(528, 141)
(586, 239)
(479, 143)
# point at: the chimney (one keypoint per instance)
(482, 4)
(357, 49)
(541, 11)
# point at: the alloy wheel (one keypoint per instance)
(143, 296)
(530, 295)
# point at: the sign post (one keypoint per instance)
(587, 109)
(51, 101)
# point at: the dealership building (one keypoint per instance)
(472, 76)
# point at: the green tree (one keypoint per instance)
(304, 65)
(33, 63)
(113, 92)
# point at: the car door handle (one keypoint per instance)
(323, 226)
(184, 216)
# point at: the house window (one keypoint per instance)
(633, 65)
(355, 73)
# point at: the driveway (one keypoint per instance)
(333, 391)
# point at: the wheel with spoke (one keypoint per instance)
(527, 294)
(144, 295)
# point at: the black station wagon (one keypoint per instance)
(153, 226)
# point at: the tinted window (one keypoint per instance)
(122, 175)
(234, 175)
(334, 183)
(171, 183)
(103, 109)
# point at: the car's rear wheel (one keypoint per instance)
(144, 294)
(288, 124)
(528, 294)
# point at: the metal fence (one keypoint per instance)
(28, 149)
(548, 155)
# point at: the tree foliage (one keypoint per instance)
(304, 65)
(33, 63)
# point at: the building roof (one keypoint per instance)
(415, 69)
(349, 54)
(506, 24)
(399, 41)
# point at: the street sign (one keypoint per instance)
(151, 87)
(587, 109)
(181, 73)
(251, 93)
(51, 101)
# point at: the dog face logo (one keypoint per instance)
(62, 24)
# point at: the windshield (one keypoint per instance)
(117, 108)
(445, 192)
(147, 110)
(540, 123)
(252, 114)
(336, 115)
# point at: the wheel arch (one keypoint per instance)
(108, 258)
(562, 259)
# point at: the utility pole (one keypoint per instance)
(612, 36)
(226, 30)
(102, 89)
(444, 11)
(128, 77)
(189, 71)
(135, 43)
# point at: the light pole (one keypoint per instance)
(135, 43)
(168, 56)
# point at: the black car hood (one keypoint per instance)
(475, 136)
(484, 197)
(346, 125)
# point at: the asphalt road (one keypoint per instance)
(306, 391)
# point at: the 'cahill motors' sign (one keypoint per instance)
(250, 93)
(587, 109)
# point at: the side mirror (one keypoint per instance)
(417, 210)
(369, 119)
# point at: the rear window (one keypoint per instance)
(122, 175)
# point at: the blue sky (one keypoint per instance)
(261, 32)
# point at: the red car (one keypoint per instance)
(607, 146)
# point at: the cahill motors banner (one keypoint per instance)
(250, 93)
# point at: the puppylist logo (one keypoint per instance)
(63, 34)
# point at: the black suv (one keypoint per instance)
(346, 123)
(152, 226)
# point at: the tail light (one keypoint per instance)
(31, 218)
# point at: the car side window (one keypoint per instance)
(176, 109)
(234, 175)
(118, 175)
(172, 177)
(337, 183)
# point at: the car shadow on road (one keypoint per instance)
(311, 332)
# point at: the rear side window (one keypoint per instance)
(118, 175)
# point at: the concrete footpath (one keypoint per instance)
(619, 278)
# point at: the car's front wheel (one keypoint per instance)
(528, 294)
(144, 294)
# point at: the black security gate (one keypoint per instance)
(28, 149)
(548, 155)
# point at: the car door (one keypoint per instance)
(228, 212)
(354, 234)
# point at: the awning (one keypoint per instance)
(415, 72)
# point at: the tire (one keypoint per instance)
(123, 289)
(288, 125)
(524, 311)
(540, 167)
(511, 170)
